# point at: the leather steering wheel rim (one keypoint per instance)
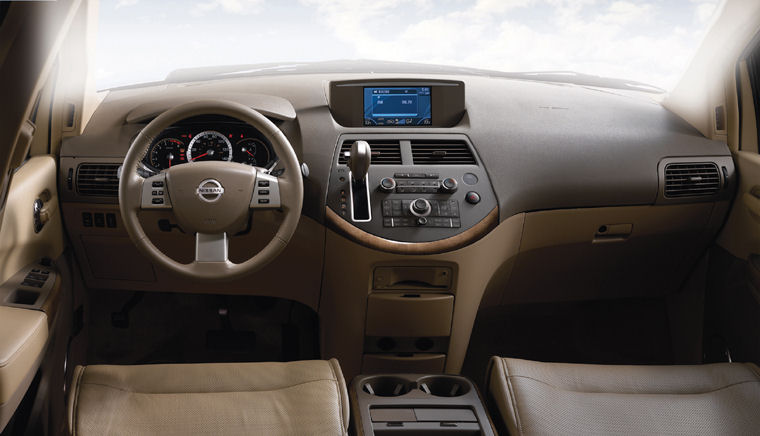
(290, 190)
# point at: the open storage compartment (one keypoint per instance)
(417, 405)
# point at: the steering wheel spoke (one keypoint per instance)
(266, 193)
(155, 193)
(211, 247)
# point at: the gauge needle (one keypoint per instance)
(171, 157)
(196, 157)
(250, 153)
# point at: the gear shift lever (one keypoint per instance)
(358, 164)
(359, 160)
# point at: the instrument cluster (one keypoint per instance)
(232, 142)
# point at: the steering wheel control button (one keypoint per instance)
(472, 197)
(449, 185)
(269, 197)
(387, 184)
(210, 190)
(420, 207)
(158, 201)
(158, 184)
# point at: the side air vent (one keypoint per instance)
(441, 152)
(98, 179)
(384, 152)
(691, 179)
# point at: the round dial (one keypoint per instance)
(165, 153)
(209, 145)
(252, 151)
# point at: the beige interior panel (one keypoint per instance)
(111, 261)
(347, 284)
(575, 254)
(23, 336)
(741, 234)
(19, 244)
(395, 314)
(414, 364)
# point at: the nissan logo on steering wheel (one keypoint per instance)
(210, 190)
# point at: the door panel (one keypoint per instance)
(20, 245)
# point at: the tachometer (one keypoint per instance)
(252, 151)
(209, 145)
(165, 153)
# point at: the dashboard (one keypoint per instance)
(207, 140)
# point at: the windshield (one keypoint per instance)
(650, 42)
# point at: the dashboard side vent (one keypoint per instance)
(384, 151)
(441, 152)
(98, 179)
(691, 179)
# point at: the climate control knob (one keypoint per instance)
(420, 207)
(387, 184)
(449, 185)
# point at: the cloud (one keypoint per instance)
(626, 39)
(123, 3)
(705, 11)
(230, 6)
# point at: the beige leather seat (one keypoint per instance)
(307, 397)
(557, 398)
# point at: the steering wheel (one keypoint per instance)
(211, 199)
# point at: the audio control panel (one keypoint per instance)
(421, 212)
(407, 200)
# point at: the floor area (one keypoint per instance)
(151, 327)
(631, 331)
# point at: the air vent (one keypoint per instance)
(98, 179)
(441, 152)
(384, 152)
(691, 179)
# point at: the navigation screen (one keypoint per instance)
(397, 106)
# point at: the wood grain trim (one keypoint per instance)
(467, 237)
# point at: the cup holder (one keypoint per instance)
(386, 386)
(443, 386)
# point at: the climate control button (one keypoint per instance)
(387, 184)
(449, 185)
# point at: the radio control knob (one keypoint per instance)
(420, 207)
(449, 185)
(387, 184)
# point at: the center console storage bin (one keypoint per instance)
(417, 405)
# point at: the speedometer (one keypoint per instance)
(209, 145)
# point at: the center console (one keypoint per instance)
(417, 188)
(409, 186)
(417, 404)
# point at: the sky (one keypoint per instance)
(650, 41)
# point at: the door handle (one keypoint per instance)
(40, 213)
(612, 233)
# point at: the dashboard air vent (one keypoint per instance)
(98, 179)
(384, 151)
(441, 152)
(691, 179)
